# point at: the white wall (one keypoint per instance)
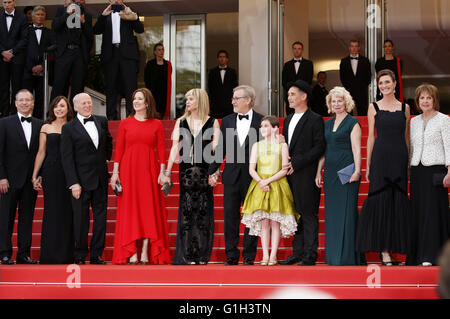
(254, 48)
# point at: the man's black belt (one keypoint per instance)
(116, 45)
(73, 46)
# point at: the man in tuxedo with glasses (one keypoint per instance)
(19, 143)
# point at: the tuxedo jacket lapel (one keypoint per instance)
(298, 129)
(35, 131)
(99, 129)
(82, 130)
(19, 128)
(3, 26)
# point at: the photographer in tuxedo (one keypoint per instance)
(19, 142)
(298, 68)
(221, 81)
(355, 75)
(72, 26)
(39, 39)
(120, 54)
(243, 127)
(86, 145)
(13, 42)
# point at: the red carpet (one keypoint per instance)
(214, 280)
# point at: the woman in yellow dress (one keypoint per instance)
(269, 204)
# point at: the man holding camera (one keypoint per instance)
(120, 54)
(74, 38)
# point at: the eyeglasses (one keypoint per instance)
(234, 99)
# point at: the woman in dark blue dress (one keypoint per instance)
(343, 137)
(57, 233)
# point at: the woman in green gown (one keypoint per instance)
(343, 138)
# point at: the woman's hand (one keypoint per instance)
(318, 180)
(263, 183)
(367, 175)
(163, 179)
(446, 181)
(114, 180)
(37, 183)
(355, 177)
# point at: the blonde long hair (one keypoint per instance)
(202, 103)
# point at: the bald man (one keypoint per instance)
(86, 146)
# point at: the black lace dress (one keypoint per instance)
(195, 230)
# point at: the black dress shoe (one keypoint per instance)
(231, 262)
(7, 261)
(25, 260)
(307, 263)
(97, 261)
(291, 260)
(248, 262)
(79, 261)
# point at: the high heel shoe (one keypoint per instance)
(264, 262)
(144, 262)
(391, 262)
(272, 263)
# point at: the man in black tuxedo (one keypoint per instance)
(86, 145)
(19, 143)
(13, 42)
(72, 26)
(298, 68)
(120, 54)
(40, 39)
(319, 93)
(242, 128)
(304, 133)
(355, 75)
(221, 82)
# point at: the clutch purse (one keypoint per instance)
(166, 188)
(438, 179)
(346, 173)
(118, 189)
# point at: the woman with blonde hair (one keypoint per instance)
(194, 132)
(343, 138)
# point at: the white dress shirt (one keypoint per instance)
(293, 124)
(38, 34)
(115, 20)
(26, 128)
(243, 126)
(9, 20)
(297, 65)
(430, 143)
(222, 74)
(91, 129)
(354, 63)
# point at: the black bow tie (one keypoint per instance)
(23, 119)
(90, 118)
(223, 69)
(9, 15)
(354, 58)
(38, 28)
(243, 117)
(297, 61)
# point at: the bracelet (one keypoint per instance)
(167, 173)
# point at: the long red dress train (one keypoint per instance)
(140, 208)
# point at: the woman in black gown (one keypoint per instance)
(57, 234)
(384, 221)
(194, 132)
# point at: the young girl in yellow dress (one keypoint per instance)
(269, 204)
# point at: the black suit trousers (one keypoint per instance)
(306, 239)
(120, 77)
(70, 64)
(11, 76)
(98, 200)
(35, 85)
(25, 199)
(234, 196)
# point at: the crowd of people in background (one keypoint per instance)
(276, 177)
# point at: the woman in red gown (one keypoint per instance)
(141, 214)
